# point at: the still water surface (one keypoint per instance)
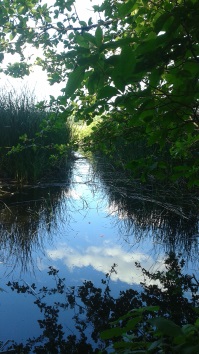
(82, 225)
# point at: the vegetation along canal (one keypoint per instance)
(89, 224)
(99, 179)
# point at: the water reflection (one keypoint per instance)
(165, 214)
(102, 258)
(28, 215)
(82, 225)
(34, 216)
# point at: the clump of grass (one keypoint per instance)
(33, 140)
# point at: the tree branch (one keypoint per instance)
(82, 28)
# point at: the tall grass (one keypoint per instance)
(33, 141)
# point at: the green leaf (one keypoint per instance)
(189, 329)
(159, 23)
(126, 62)
(93, 82)
(107, 92)
(82, 41)
(132, 346)
(155, 77)
(1, 57)
(122, 345)
(83, 23)
(146, 308)
(99, 36)
(88, 61)
(89, 38)
(68, 4)
(127, 8)
(112, 333)
(21, 9)
(132, 323)
(74, 81)
(155, 345)
(166, 327)
(197, 323)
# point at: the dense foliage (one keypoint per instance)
(162, 317)
(137, 68)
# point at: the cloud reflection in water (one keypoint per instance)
(102, 259)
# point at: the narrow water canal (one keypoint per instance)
(82, 225)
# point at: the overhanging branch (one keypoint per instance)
(63, 29)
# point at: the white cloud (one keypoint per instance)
(102, 258)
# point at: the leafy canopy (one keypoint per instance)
(139, 62)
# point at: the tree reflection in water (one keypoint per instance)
(95, 308)
(166, 213)
(27, 216)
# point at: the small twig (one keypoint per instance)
(6, 206)
(76, 12)
(194, 277)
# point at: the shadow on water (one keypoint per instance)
(166, 214)
(27, 216)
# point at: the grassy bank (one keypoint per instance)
(33, 142)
